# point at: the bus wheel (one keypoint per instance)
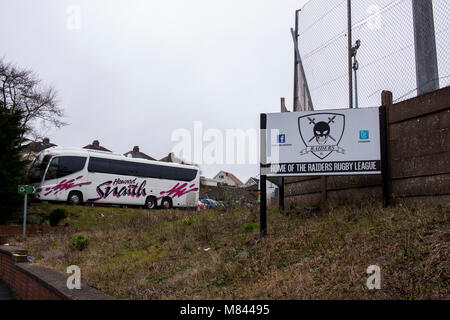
(166, 203)
(150, 203)
(75, 198)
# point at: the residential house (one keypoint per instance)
(251, 182)
(135, 153)
(172, 158)
(253, 185)
(227, 178)
(96, 146)
(31, 149)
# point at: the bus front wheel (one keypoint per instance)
(75, 198)
(150, 203)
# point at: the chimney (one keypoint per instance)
(136, 149)
(46, 141)
(96, 143)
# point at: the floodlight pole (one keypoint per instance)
(427, 75)
(355, 68)
(296, 100)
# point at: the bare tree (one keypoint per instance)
(22, 89)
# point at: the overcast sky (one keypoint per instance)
(137, 70)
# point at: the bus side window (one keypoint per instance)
(52, 169)
(70, 164)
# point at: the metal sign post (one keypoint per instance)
(25, 190)
(262, 186)
(25, 216)
(263, 207)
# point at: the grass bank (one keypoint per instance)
(176, 254)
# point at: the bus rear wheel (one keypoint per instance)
(150, 203)
(75, 198)
(166, 203)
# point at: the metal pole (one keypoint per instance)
(300, 64)
(355, 68)
(262, 183)
(296, 64)
(427, 74)
(25, 216)
(281, 194)
(349, 36)
(263, 207)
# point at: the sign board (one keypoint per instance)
(323, 142)
(26, 189)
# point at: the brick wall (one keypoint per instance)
(31, 282)
(419, 158)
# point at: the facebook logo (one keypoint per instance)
(281, 138)
(364, 134)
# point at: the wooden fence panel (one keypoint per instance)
(419, 144)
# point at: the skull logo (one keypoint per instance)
(321, 132)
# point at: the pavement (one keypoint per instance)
(5, 293)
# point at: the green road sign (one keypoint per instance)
(26, 190)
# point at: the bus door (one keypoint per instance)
(64, 174)
(51, 181)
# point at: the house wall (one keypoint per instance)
(226, 179)
(419, 158)
(31, 282)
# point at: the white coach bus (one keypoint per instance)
(76, 176)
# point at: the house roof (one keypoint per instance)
(252, 179)
(138, 154)
(38, 146)
(232, 177)
(172, 158)
(135, 153)
(96, 146)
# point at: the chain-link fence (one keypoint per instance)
(385, 58)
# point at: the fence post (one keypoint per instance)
(386, 100)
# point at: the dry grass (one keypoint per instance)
(175, 254)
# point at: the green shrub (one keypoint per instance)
(56, 216)
(249, 227)
(79, 242)
(187, 221)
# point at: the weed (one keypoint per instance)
(79, 241)
(139, 254)
(249, 227)
(55, 216)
